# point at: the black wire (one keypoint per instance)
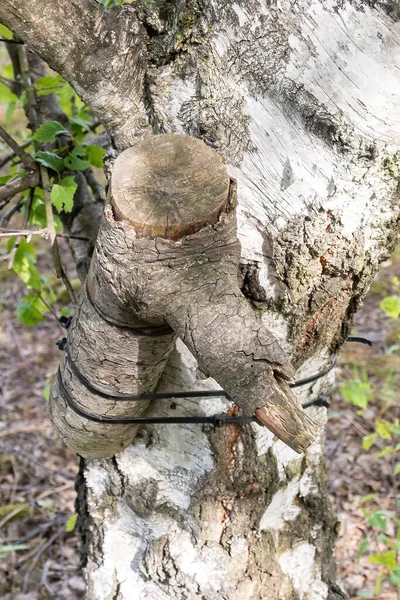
(11, 41)
(360, 340)
(216, 420)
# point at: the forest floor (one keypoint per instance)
(37, 472)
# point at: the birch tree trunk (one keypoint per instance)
(301, 98)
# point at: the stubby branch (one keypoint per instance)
(98, 51)
(167, 252)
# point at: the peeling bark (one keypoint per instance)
(300, 98)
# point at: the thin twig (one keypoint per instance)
(8, 82)
(28, 207)
(44, 581)
(11, 211)
(47, 203)
(19, 151)
(39, 553)
(61, 488)
(12, 188)
(96, 187)
(23, 232)
(60, 273)
(51, 310)
(40, 529)
(70, 236)
(27, 457)
(12, 514)
(11, 155)
(27, 429)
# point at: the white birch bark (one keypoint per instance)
(302, 99)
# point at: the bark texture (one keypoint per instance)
(287, 92)
(169, 255)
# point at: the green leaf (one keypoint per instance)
(49, 85)
(49, 160)
(4, 179)
(384, 430)
(394, 578)
(37, 215)
(9, 112)
(387, 559)
(368, 441)
(20, 510)
(23, 99)
(396, 469)
(46, 392)
(65, 312)
(5, 33)
(49, 131)
(391, 306)
(30, 310)
(362, 548)
(378, 584)
(10, 243)
(8, 71)
(70, 525)
(80, 123)
(75, 162)
(357, 392)
(28, 314)
(385, 452)
(7, 548)
(62, 196)
(24, 265)
(378, 519)
(95, 155)
(6, 95)
(367, 498)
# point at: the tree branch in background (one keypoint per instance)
(26, 160)
(30, 180)
(99, 52)
(60, 272)
(31, 98)
(11, 155)
(11, 189)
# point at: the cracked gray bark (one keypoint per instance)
(167, 253)
(287, 93)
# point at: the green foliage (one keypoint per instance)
(6, 95)
(50, 160)
(47, 132)
(378, 519)
(37, 213)
(76, 160)
(7, 548)
(391, 306)
(15, 512)
(70, 525)
(378, 546)
(24, 264)
(30, 310)
(5, 33)
(62, 195)
(50, 85)
(357, 391)
(95, 155)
